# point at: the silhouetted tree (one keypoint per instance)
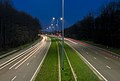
(104, 29)
(16, 27)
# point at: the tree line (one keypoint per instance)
(16, 27)
(103, 29)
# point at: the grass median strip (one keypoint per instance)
(66, 74)
(83, 72)
(59, 62)
(49, 69)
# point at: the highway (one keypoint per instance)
(23, 65)
(106, 65)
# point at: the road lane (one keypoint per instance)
(109, 68)
(18, 57)
(27, 67)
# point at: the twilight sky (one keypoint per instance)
(46, 9)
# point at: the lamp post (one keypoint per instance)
(62, 19)
(56, 24)
(62, 34)
(47, 30)
(57, 27)
(53, 28)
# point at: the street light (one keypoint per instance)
(57, 20)
(53, 18)
(57, 27)
(50, 29)
(61, 18)
(51, 24)
(62, 34)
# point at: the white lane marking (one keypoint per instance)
(100, 76)
(94, 57)
(23, 58)
(28, 57)
(18, 56)
(13, 78)
(108, 66)
(73, 72)
(36, 72)
(28, 64)
(59, 62)
(106, 57)
(14, 58)
(10, 61)
(71, 41)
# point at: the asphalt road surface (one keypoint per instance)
(22, 65)
(106, 65)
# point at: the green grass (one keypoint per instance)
(83, 72)
(49, 69)
(66, 74)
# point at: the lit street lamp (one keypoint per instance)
(51, 24)
(57, 24)
(53, 18)
(61, 18)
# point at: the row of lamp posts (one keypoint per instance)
(52, 27)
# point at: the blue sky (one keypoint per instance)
(46, 9)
